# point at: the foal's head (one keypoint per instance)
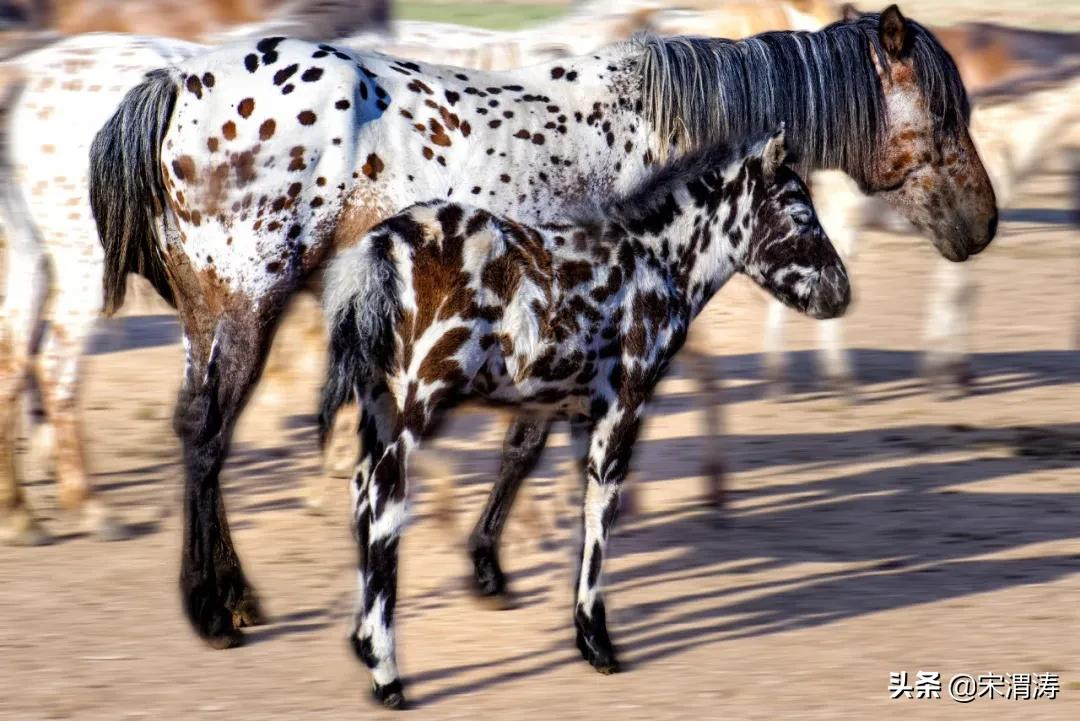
(785, 249)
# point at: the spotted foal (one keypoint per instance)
(443, 301)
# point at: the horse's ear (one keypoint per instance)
(849, 13)
(773, 155)
(893, 30)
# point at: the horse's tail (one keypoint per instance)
(127, 191)
(363, 304)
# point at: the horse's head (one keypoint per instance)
(788, 253)
(928, 167)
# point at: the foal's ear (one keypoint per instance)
(849, 13)
(773, 155)
(893, 30)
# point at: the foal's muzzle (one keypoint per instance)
(831, 295)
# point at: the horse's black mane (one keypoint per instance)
(822, 85)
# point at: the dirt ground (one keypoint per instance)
(899, 532)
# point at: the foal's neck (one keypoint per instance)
(692, 230)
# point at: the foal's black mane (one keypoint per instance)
(656, 188)
(821, 85)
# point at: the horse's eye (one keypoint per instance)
(803, 217)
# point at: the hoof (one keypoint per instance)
(314, 507)
(488, 580)
(842, 385)
(602, 659)
(98, 521)
(945, 373)
(497, 602)
(247, 612)
(222, 641)
(22, 529)
(390, 696)
(211, 618)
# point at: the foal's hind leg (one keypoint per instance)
(522, 446)
(25, 289)
(224, 358)
(390, 432)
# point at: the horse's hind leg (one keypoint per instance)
(224, 358)
(25, 292)
(522, 446)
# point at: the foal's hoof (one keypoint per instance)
(489, 582)
(602, 659)
(22, 529)
(390, 696)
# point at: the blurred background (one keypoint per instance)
(900, 492)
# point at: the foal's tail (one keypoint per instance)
(127, 191)
(363, 304)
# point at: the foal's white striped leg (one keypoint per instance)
(610, 447)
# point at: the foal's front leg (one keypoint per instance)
(524, 442)
(611, 443)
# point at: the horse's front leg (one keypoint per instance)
(525, 440)
(611, 442)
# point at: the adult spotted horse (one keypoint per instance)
(228, 179)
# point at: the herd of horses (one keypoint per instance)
(540, 236)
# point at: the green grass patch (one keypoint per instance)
(495, 16)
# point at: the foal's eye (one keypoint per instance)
(803, 217)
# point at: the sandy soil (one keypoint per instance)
(897, 532)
